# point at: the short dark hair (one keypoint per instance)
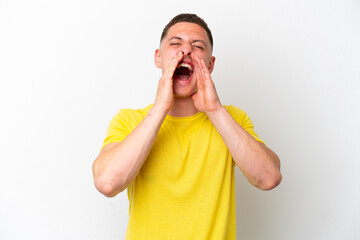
(190, 18)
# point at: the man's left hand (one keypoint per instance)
(205, 98)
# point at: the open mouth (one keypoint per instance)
(183, 72)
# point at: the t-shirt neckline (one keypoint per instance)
(192, 117)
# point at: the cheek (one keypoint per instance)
(205, 56)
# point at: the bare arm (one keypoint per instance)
(259, 164)
(119, 163)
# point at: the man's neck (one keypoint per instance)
(183, 107)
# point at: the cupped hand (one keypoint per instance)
(165, 95)
(205, 98)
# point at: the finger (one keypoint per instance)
(174, 63)
(168, 74)
(197, 65)
(195, 59)
(206, 74)
(201, 66)
(199, 78)
(201, 73)
(206, 70)
(198, 72)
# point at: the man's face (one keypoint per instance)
(188, 38)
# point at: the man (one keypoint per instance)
(177, 156)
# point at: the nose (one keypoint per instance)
(186, 48)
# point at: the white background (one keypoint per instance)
(67, 67)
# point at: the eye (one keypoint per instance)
(199, 47)
(174, 44)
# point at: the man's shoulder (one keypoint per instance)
(234, 110)
(130, 116)
(131, 112)
(238, 114)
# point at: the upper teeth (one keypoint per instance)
(185, 65)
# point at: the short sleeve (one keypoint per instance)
(244, 120)
(121, 125)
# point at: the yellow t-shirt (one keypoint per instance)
(186, 186)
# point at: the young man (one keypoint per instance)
(176, 157)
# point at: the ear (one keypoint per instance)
(211, 64)
(157, 58)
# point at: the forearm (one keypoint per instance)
(119, 163)
(258, 163)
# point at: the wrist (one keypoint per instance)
(216, 112)
(159, 110)
(215, 109)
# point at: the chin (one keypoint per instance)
(184, 93)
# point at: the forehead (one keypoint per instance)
(187, 31)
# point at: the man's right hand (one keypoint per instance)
(119, 163)
(165, 93)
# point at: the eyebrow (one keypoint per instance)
(194, 41)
